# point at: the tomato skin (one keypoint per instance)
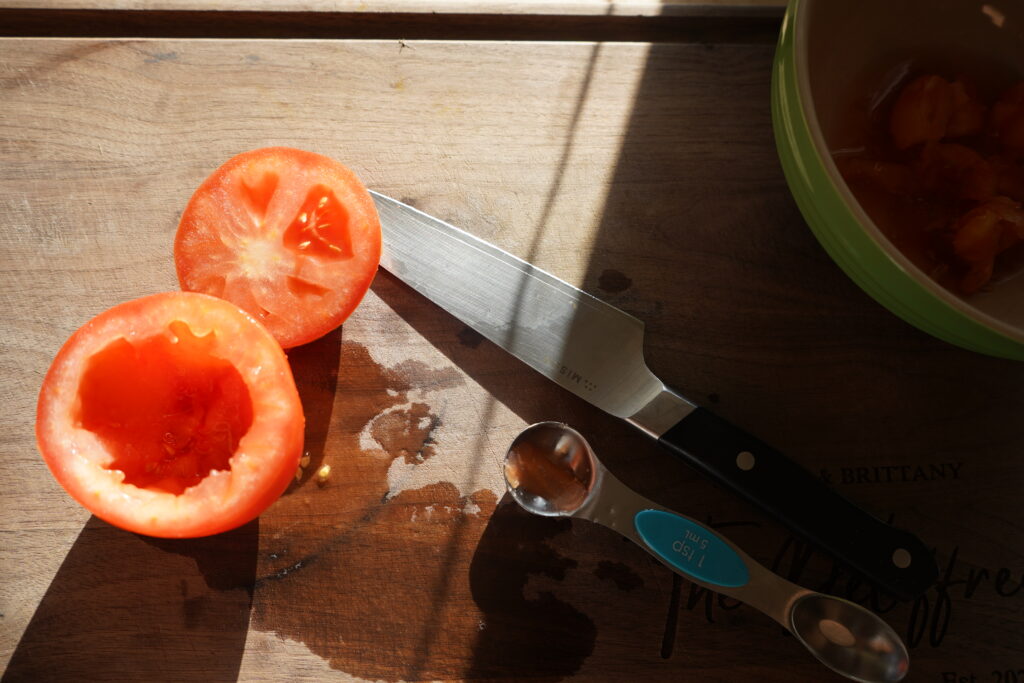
(81, 457)
(290, 236)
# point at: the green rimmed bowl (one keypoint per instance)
(828, 49)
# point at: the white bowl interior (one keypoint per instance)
(854, 46)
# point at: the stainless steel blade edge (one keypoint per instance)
(585, 345)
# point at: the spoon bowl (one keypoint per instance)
(848, 639)
(551, 470)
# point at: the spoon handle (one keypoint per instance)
(895, 559)
(861, 646)
(689, 548)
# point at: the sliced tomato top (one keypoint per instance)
(290, 236)
(172, 415)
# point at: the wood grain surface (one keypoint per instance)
(521, 7)
(730, 25)
(645, 174)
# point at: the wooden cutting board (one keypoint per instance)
(645, 174)
(476, 7)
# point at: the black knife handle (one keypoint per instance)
(803, 503)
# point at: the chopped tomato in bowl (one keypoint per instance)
(290, 236)
(174, 415)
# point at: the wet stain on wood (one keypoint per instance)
(407, 433)
(427, 576)
(193, 609)
(620, 574)
(550, 638)
(413, 373)
(614, 281)
(470, 337)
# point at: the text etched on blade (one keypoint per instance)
(576, 378)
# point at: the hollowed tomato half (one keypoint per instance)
(174, 415)
(290, 236)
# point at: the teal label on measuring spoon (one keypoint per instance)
(691, 548)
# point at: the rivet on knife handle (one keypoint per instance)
(897, 560)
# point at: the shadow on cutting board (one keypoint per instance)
(127, 607)
(550, 636)
(747, 315)
(315, 369)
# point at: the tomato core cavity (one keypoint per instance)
(166, 408)
(321, 227)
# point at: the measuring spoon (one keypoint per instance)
(551, 470)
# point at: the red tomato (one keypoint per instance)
(173, 415)
(290, 236)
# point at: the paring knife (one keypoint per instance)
(596, 351)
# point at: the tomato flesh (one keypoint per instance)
(320, 228)
(166, 409)
(291, 237)
(173, 415)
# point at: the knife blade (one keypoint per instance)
(596, 351)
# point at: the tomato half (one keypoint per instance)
(173, 415)
(290, 236)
